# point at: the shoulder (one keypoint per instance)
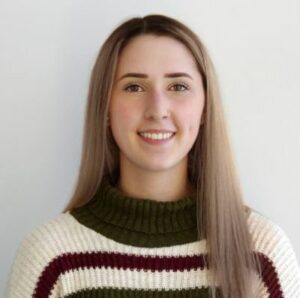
(47, 234)
(276, 254)
(267, 235)
(45, 237)
(39, 251)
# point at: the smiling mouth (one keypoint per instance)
(158, 139)
(156, 136)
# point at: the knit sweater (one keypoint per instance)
(120, 246)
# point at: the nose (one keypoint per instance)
(157, 106)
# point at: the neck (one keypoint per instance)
(162, 186)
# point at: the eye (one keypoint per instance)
(182, 87)
(132, 87)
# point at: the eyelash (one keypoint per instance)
(181, 84)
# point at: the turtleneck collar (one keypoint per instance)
(139, 221)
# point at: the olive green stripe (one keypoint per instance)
(130, 293)
(131, 237)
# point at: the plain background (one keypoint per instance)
(47, 50)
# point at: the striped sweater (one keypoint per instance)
(119, 246)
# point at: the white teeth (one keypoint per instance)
(156, 136)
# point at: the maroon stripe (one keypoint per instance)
(270, 277)
(72, 261)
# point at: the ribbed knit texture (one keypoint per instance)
(139, 222)
(119, 246)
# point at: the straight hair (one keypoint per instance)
(221, 213)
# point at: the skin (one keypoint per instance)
(156, 172)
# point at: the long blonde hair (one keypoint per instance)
(221, 212)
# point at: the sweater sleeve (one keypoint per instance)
(31, 259)
(280, 268)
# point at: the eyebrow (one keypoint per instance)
(144, 76)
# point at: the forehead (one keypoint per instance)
(151, 53)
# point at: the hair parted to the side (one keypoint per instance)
(221, 212)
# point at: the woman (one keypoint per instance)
(157, 210)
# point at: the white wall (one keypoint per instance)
(47, 49)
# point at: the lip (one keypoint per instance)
(156, 142)
(157, 131)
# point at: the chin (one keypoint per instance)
(157, 167)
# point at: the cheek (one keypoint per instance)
(123, 116)
(193, 119)
(193, 127)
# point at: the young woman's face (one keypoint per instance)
(151, 98)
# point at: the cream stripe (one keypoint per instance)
(74, 281)
(271, 240)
